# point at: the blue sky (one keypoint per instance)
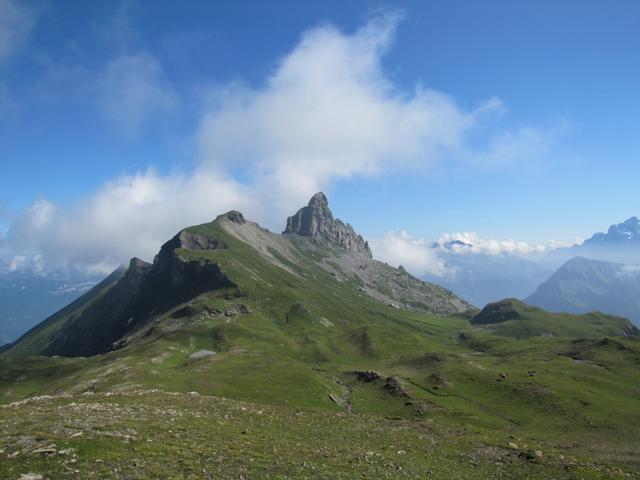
(107, 103)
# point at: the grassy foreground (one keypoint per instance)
(154, 434)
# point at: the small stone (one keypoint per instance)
(45, 450)
(513, 445)
(538, 453)
(503, 375)
(201, 354)
(30, 476)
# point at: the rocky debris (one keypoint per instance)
(236, 309)
(30, 476)
(118, 344)
(390, 286)
(89, 387)
(316, 220)
(503, 375)
(50, 450)
(201, 354)
(326, 322)
(393, 386)
(335, 399)
(366, 375)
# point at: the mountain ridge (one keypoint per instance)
(581, 285)
(204, 258)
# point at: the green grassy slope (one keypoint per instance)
(514, 318)
(285, 341)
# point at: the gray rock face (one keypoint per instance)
(316, 220)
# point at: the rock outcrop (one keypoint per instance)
(316, 220)
(145, 290)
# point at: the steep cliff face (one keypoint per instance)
(144, 291)
(316, 220)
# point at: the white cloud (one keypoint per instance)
(415, 254)
(132, 88)
(474, 244)
(16, 22)
(423, 257)
(327, 112)
(131, 215)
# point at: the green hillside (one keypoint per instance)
(308, 360)
(514, 318)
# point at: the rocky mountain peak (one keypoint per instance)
(236, 217)
(630, 227)
(625, 233)
(137, 268)
(319, 200)
(316, 220)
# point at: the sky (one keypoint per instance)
(511, 123)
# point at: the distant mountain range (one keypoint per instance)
(620, 244)
(625, 234)
(27, 297)
(481, 278)
(582, 285)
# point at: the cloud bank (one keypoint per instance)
(328, 112)
(423, 257)
(131, 215)
(415, 254)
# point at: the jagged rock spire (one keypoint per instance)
(316, 220)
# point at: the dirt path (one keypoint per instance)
(346, 397)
